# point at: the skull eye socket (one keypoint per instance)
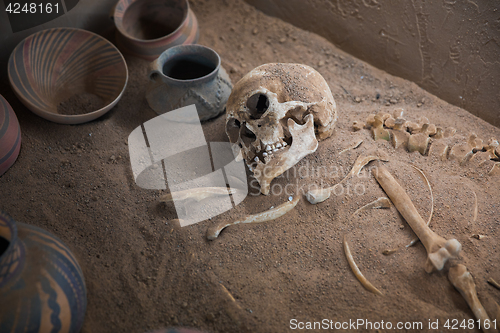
(257, 105)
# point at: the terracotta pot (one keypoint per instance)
(67, 75)
(10, 136)
(146, 28)
(185, 75)
(41, 284)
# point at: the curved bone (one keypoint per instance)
(368, 286)
(439, 250)
(381, 202)
(269, 215)
(319, 195)
(462, 280)
(304, 143)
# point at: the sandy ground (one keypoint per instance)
(145, 272)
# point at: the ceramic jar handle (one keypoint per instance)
(155, 71)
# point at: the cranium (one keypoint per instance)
(275, 116)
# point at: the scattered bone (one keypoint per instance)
(439, 133)
(439, 250)
(478, 236)
(494, 283)
(418, 142)
(462, 280)
(495, 170)
(198, 194)
(381, 202)
(474, 217)
(390, 122)
(414, 241)
(357, 126)
(269, 215)
(378, 130)
(398, 113)
(356, 145)
(230, 296)
(368, 286)
(399, 139)
(439, 149)
(319, 195)
(388, 252)
(449, 132)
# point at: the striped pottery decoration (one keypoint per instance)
(41, 284)
(146, 28)
(10, 136)
(53, 65)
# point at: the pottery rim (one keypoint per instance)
(180, 50)
(84, 116)
(119, 25)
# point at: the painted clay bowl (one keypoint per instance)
(10, 136)
(67, 75)
(146, 28)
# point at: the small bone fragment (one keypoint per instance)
(418, 142)
(368, 286)
(438, 149)
(399, 139)
(230, 296)
(390, 122)
(414, 241)
(381, 202)
(197, 194)
(356, 145)
(321, 194)
(388, 252)
(439, 133)
(494, 283)
(378, 130)
(449, 131)
(495, 170)
(478, 236)
(398, 113)
(357, 126)
(269, 215)
(462, 280)
(439, 250)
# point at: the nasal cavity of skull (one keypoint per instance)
(257, 105)
(247, 136)
(233, 129)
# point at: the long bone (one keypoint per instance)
(439, 250)
(462, 280)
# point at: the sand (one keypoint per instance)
(145, 272)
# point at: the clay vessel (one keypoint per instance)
(41, 284)
(146, 28)
(67, 75)
(185, 75)
(10, 136)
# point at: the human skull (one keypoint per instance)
(275, 116)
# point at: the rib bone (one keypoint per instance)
(439, 250)
(462, 280)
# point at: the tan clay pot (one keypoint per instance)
(185, 75)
